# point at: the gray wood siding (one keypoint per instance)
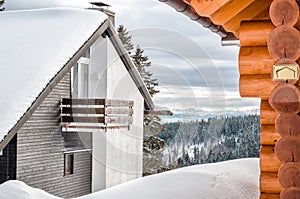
(41, 146)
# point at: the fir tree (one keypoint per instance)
(142, 62)
(125, 38)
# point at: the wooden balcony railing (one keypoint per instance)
(95, 114)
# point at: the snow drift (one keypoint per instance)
(233, 179)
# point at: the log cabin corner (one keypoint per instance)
(268, 35)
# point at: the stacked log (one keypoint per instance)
(264, 44)
(284, 47)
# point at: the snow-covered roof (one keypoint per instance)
(233, 179)
(35, 45)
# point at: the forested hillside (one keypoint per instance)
(212, 140)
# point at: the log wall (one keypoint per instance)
(264, 43)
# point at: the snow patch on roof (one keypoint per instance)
(35, 45)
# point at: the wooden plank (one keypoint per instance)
(106, 102)
(72, 101)
(268, 135)
(259, 86)
(255, 33)
(268, 160)
(90, 119)
(267, 114)
(157, 112)
(119, 120)
(255, 61)
(95, 127)
(118, 103)
(83, 110)
(269, 183)
(77, 119)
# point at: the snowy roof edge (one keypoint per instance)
(105, 27)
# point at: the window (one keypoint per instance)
(69, 164)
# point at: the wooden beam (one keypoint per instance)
(267, 114)
(207, 8)
(269, 196)
(259, 86)
(268, 160)
(287, 149)
(255, 33)
(83, 110)
(288, 124)
(106, 102)
(157, 112)
(268, 135)
(255, 61)
(249, 13)
(229, 10)
(269, 183)
(288, 175)
(291, 192)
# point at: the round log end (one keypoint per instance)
(287, 149)
(290, 193)
(288, 124)
(285, 98)
(289, 175)
(284, 42)
(284, 12)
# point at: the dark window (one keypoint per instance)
(69, 164)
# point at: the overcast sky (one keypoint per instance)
(196, 74)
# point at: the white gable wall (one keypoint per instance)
(117, 154)
(124, 148)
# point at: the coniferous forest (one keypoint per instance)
(213, 140)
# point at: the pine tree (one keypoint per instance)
(125, 38)
(142, 62)
(1, 4)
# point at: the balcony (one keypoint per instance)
(86, 115)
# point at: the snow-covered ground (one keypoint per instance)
(233, 179)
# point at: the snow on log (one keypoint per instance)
(290, 193)
(284, 12)
(255, 33)
(287, 149)
(284, 42)
(289, 175)
(285, 98)
(288, 124)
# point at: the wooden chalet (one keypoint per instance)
(268, 35)
(72, 102)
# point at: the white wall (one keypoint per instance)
(98, 89)
(117, 154)
(124, 147)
